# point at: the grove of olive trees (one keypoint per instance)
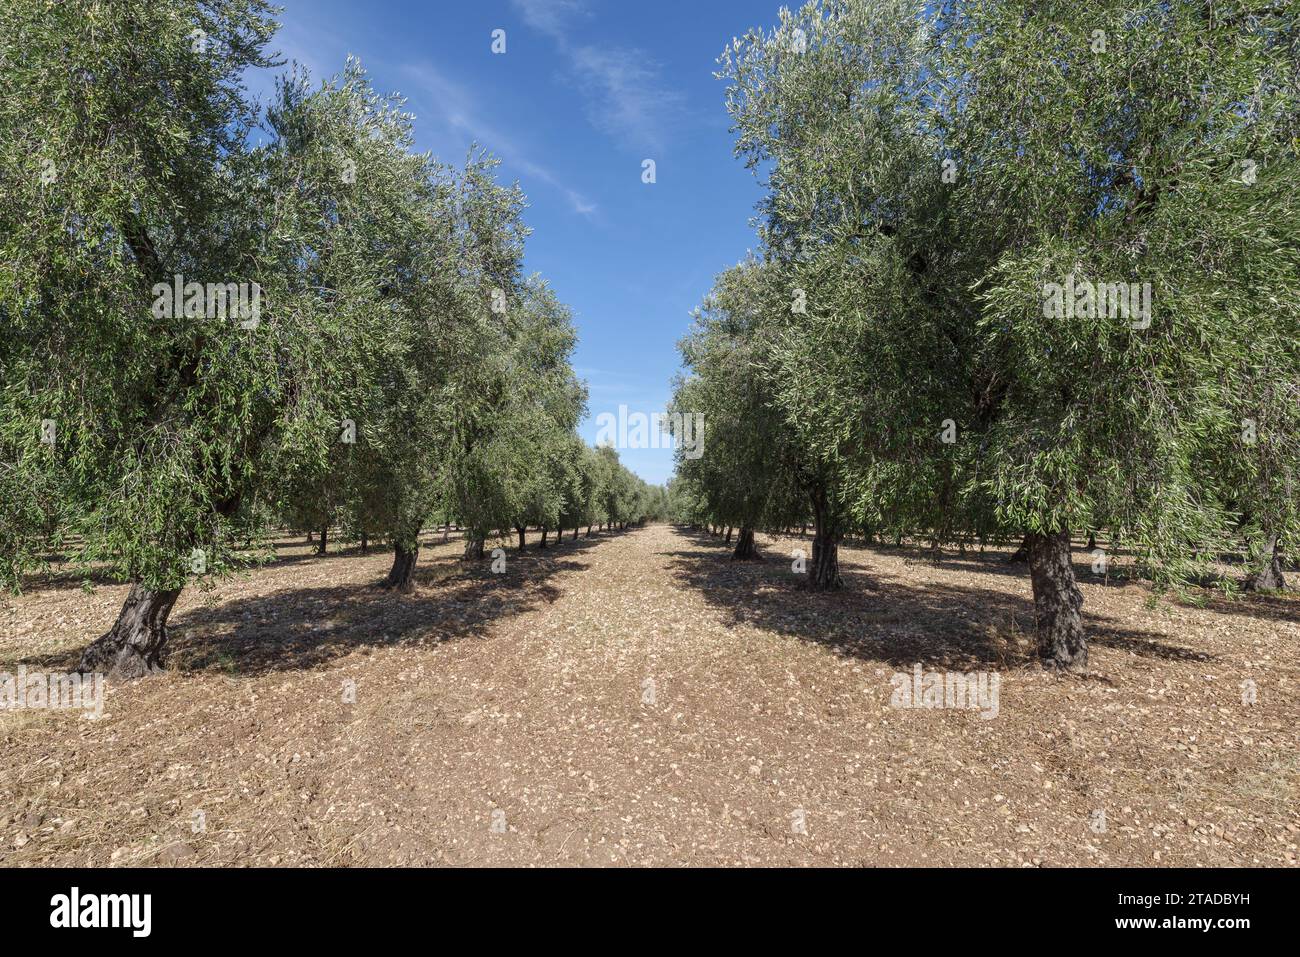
(394, 362)
(901, 357)
(949, 515)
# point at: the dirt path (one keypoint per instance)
(639, 699)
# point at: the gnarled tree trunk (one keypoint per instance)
(473, 547)
(324, 540)
(137, 643)
(1057, 601)
(522, 541)
(543, 542)
(399, 576)
(746, 547)
(824, 571)
(1268, 576)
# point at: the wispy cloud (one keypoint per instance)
(437, 99)
(626, 95)
(549, 16)
(455, 107)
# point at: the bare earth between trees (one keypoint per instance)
(638, 698)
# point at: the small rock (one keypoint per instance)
(173, 853)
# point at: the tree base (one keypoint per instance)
(1269, 576)
(1267, 579)
(136, 645)
(1057, 602)
(401, 575)
(746, 548)
(824, 570)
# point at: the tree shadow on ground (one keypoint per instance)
(301, 628)
(1266, 606)
(995, 564)
(883, 618)
(61, 576)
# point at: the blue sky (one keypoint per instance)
(586, 90)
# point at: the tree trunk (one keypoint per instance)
(824, 572)
(746, 547)
(589, 531)
(137, 643)
(309, 538)
(1057, 600)
(446, 532)
(365, 543)
(1092, 541)
(1021, 554)
(324, 539)
(543, 543)
(473, 547)
(575, 533)
(824, 575)
(520, 530)
(399, 576)
(1268, 576)
(728, 539)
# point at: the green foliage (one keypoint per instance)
(400, 364)
(930, 170)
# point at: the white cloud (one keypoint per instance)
(626, 97)
(438, 100)
(455, 107)
(549, 16)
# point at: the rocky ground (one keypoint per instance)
(639, 699)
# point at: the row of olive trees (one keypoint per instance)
(919, 347)
(528, 474)
(212, 315)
